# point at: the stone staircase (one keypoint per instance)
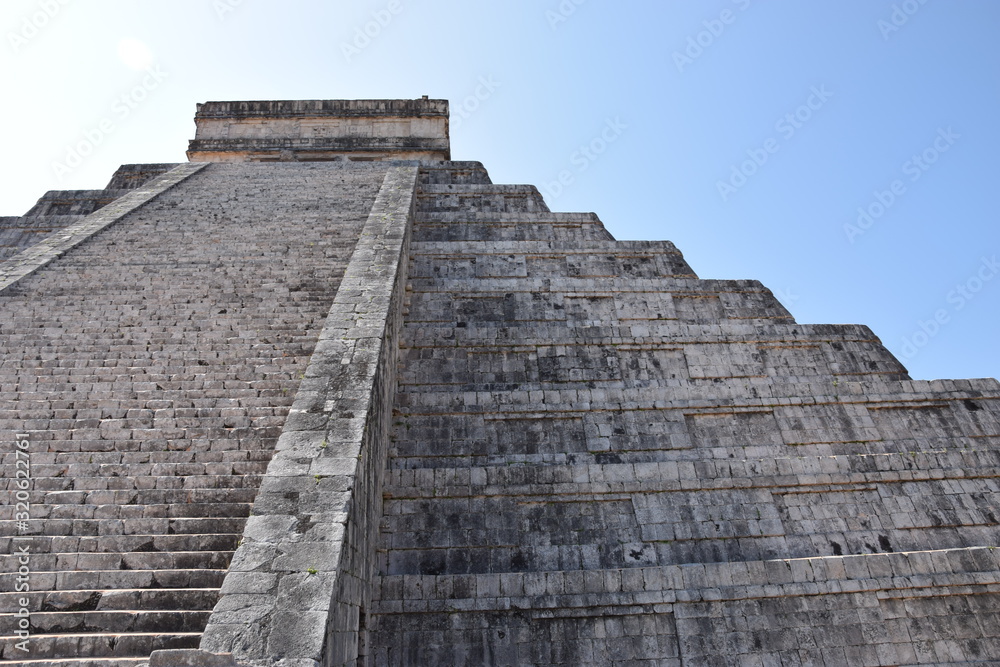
(599, 458)
(152, 368)
(596, 456)
(59, 209)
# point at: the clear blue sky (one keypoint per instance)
(828, 101)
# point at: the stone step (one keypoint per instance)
(544, 262)
(494, 355)
(118, 579)
(543, 247)
(423, 455)
(121, 483)
(650, 424)
(603, 438)
(484, 198)
(174, 426)
(604, 362)
(661, 440)
(978, 398)
(491, 231)
(116, 544)
(616, 636)
(639, 252)
(471, 217)
(73, 202)
(600, 287)
(85, 647)
(144, 443)
(453, 173)
(94, 527)
(527, 336)
(508, 227)
(555, 517)
(17, 234)
(416, 455)
(689, 477)
(670, 349)
(573, 331)
(459, 389)
(86, 662)
(494, 549)
(133, 176)
(125, 621)
(154, 497)
(114, 600)
(46, 508)
(241, 460)
(142, 560)
(115, 469)
(591, 300)
(847, 606)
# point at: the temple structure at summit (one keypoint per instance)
(323, 396)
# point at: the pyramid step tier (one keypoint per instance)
(922, 607)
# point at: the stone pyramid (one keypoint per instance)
(322, 396)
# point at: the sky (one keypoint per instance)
(843, 153)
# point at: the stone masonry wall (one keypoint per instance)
(301, 582)
(599, 458)
(152, 367)
(512, 440)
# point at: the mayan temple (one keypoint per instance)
(322, 396)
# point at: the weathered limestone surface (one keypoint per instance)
(58, 209)
(439, 424)
(599, 458)
(300, 584)
(310, 130)
(153, 366)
